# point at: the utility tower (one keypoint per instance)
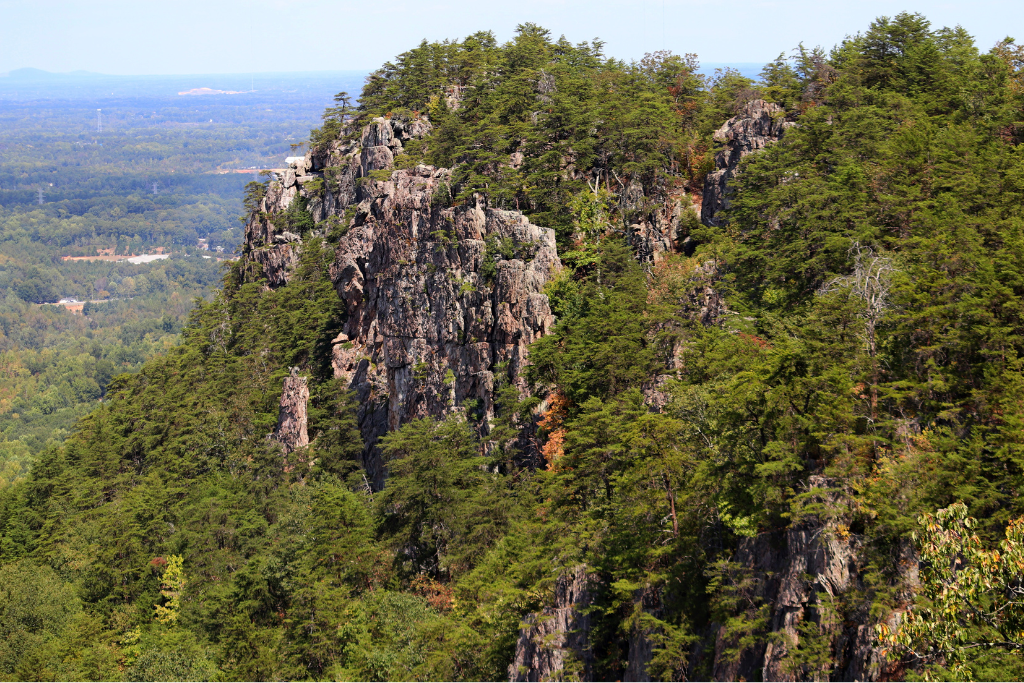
(39, 196)
(154, 189)
(99, 120)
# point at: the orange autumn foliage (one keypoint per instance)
(552, 422)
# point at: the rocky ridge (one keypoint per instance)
(756, 126)
(440, 299)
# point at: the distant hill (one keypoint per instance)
(30, 74)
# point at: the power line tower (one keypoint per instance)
(99, 120)
(154, 189)
(39, 196)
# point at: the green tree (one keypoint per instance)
(971, 602)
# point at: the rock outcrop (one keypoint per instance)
(555, 642)
(758, 125)
(640, 641)
(440, 299)
(292, 417)
(808, 578)
(656, 229)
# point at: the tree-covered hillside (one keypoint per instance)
(725, 461)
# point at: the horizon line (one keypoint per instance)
(82, 73)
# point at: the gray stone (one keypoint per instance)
(376, 159)
(756, 126)
(291, 431)
(425, 330)
(558, 637)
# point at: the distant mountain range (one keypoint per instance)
(30, 74)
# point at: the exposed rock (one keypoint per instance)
(431, 310)
(453, 96)
(286, 237)
(640, 645)
(805, 576)
(429, 322)
(556, 641)
(656, 233)
(292, 417)
(376, 158)
(640, 654)
(378, 134)
(654, 391)
(276, 262)
(757, 125)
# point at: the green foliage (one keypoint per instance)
(606, 349)
(334, 120)
(856, 320)
(971, 599)
(574, 119)
(431, 507)
(295, 219)
(36, 607)
(172, 584)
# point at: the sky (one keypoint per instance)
(140, 37)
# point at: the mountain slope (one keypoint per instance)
(658, 449)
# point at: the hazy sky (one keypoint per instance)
(238, 36)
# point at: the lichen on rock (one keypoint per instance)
(433, 308)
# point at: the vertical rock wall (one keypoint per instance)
(292, 419)
(809, 577)
(438, 298)
(757, 125)
(556, 640)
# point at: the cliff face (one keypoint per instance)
(437, 297)
(809, 580)
(655, 232)
(440, 299)
(292, 419)
(757, 125)
(555, 643)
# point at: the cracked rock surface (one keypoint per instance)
(756, 126)
(438, 298)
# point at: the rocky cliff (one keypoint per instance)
(442, 301)
(806, 585)
(555, 643)
(756, 126)
(292, 419)
(439, 298)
